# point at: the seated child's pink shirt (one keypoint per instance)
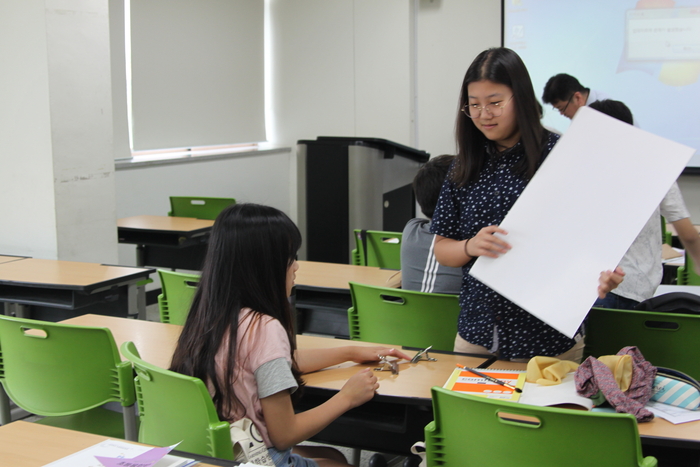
(262, 339)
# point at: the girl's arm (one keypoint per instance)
(287, 428)
(457, 253)
(310, 360)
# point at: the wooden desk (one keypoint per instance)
(70, 285)
(396, 417)
(391, 422)
(24, 444)
(322, 294)
(165, 241)
(658, 432)
(8, 259)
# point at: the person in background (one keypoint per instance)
(420, 270)
(642, 261)
(567, 95)
(238, 338)
(501, 144)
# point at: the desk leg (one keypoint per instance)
(131, 432)
(16, 310)
(140, 255)
(136, 301)
(5, 413)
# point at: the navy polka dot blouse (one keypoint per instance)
(460, 214)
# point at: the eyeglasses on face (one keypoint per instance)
(495, 109)
(562, 110)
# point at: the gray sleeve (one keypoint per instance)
(672, 206)
(274, 376)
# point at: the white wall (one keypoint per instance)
(26, 177)
(368, 68)
(258, 178)
(56, 130)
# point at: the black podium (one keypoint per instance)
(353, 183)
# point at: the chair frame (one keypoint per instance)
(170, 306)
(217, 433)
(473, 431)
(65, 401)
(432, 322)
(665, 339)
(199, 207)
(375, 250)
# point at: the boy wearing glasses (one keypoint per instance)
(567, 95)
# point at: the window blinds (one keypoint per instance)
(197, 72)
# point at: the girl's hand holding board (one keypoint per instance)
(485, 243)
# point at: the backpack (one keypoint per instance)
(673, 302)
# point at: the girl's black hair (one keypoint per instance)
(502, 66)
(250, 250)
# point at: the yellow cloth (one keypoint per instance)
(621, 367)
(548, 371)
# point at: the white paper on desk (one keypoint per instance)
(673, 414)
(578, 216)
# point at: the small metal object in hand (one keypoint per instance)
(423, 355)
(387, 365)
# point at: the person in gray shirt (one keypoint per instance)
(420, 270)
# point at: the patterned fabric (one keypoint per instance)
(593, 376)
(460, 214)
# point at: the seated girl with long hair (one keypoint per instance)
(238, 337)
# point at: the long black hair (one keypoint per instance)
(502, 66)
(250, 250)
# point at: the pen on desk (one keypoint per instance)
(490, 378)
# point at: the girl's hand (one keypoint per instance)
(360, 388)
(360, 354)
(608, 280)
(485, 243)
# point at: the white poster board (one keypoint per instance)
(578, 216)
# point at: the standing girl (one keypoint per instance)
(501, 144)
(238, 337)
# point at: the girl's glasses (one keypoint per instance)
(495, 109)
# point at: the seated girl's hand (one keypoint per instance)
(608, 280)
(360, 388)
(360, 354)
(485, 243)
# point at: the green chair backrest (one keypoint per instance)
(198, 207)
(377, 248)
(665, 339)
(65, 373)
(403, 317)
(666, 236)
(472, 431)
(686, 274)
(177, 291)
(174, 408)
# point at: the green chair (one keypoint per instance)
(665, 339)
(198, 207)
(666, 236)
(475, 431)
(395, 316)
(686, 274)
(175, 408)
(177, 291)
(377, 248)
(66, 373)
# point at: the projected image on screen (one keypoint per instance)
(645, 53)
